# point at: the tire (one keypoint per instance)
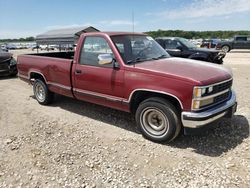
(13, 74)
(158, 120)
(219, 62)
(225, 48)
(42, 93)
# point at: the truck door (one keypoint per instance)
(240, 42)
(248, 42)
(94, 82)
(171, 46)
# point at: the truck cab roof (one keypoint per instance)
(110, 33)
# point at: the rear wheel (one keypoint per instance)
(158, 120)
(41, 92)
(225, 48)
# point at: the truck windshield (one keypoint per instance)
(138, 48)
(187, 43)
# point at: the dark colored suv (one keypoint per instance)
(8, 65)
(181, 47)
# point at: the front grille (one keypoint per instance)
(220, 93)
(222, 97)
(219, 87)
(223, 86)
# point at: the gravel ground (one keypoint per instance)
(77, 144)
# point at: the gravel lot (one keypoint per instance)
(77, 144)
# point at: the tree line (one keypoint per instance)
(196, 34)
(167, 33)
(27, 39)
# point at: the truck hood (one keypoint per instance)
(4, 56)
(202, 73)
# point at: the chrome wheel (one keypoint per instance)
(154, 121)
(40, 92)
(225, 48)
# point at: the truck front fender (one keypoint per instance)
(139, 95)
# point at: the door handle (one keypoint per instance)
(78, 71)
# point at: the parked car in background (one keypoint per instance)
(133, 73)
(66, 47)
(8, 65)
(4, 48)
(44, 47)
(48, 47)
(238, 42)
(181, 47)
(196, 42)
(11, 46)
(209, 43)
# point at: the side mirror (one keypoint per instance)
(105, 59)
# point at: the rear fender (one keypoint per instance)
(32, 76)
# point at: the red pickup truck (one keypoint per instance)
(132, 73)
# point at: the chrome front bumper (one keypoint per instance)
(199, 119)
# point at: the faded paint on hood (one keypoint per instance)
(202, 73)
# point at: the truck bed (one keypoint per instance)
(63, 55)
(56, 66)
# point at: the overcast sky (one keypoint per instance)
(23, 18)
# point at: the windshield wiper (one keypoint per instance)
(160, 57)
(138, 59)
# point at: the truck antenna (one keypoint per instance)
(133, 28)
(133, 21)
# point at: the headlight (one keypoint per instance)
(206, 96)
(197, 104)
(202, 91)
(201, 97)
(13, 61)
(198, 92)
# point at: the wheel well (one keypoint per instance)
(140, 96)
(34, 75)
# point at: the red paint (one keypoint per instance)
(114, 87)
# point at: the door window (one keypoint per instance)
(241, 38)
(92, 48)
(171, 44)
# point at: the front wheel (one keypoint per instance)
(158, 120)
(225, 48)
(13, 74)
(42, 93)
